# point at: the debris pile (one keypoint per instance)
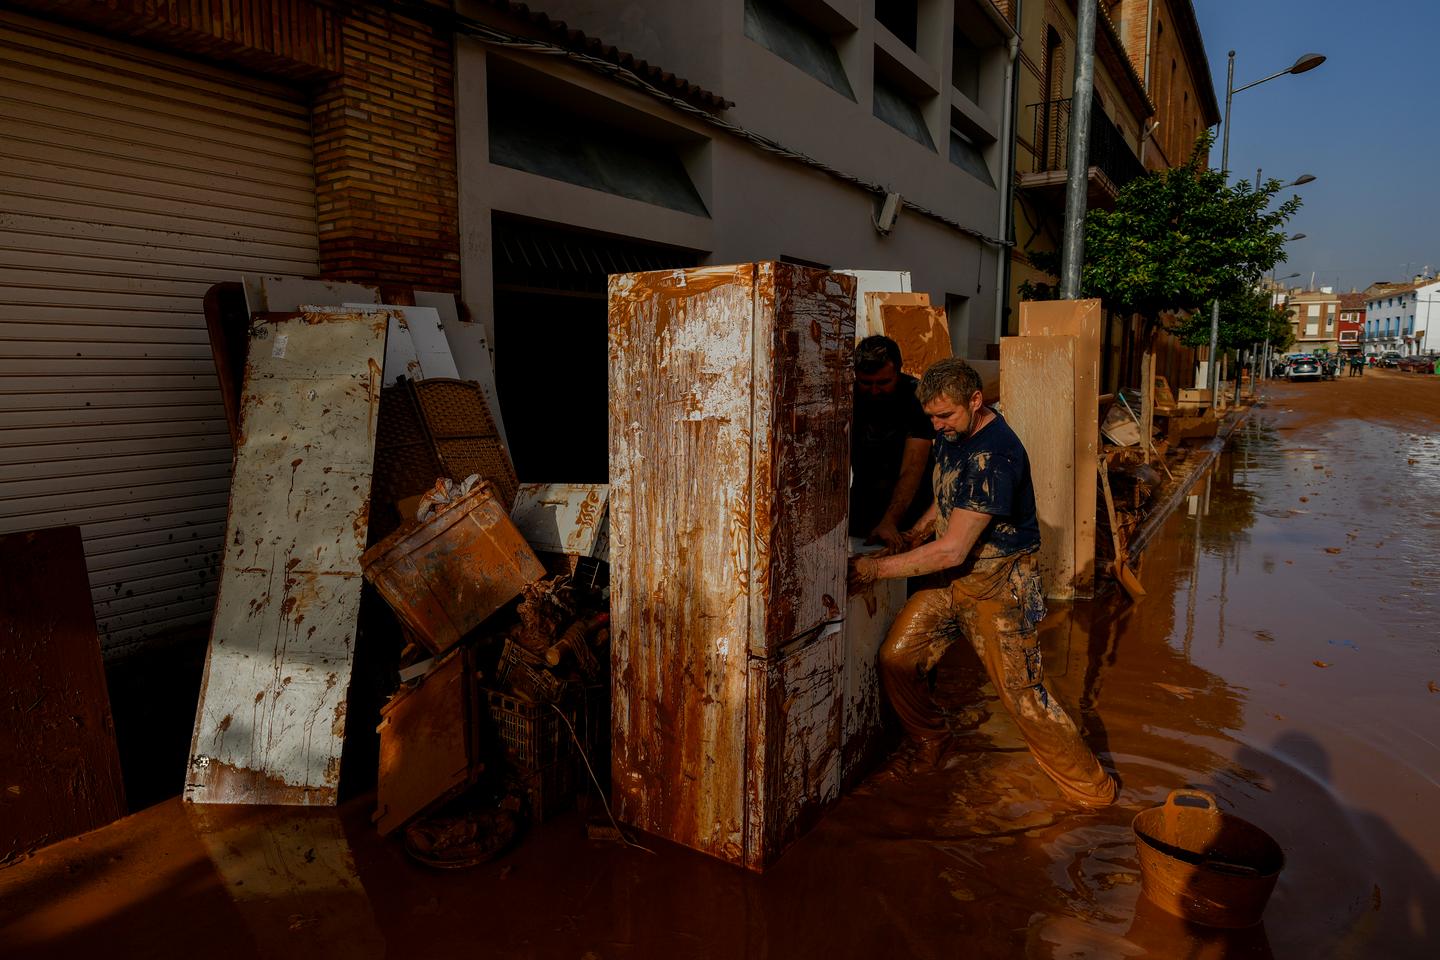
(495, 687)
(504, 703)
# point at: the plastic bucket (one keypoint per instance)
(1203, 865)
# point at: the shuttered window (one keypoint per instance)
(130, 182)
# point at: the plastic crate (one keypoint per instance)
(540, 750)
(525, 672)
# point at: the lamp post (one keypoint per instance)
(1305, 63)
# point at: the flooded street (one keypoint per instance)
(1286, 659)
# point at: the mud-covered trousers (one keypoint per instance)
(996, 604)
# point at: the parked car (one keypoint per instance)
(1390, 359)
(1421, 363)
(1304, 368)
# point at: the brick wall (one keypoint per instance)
(385, 155)
(1172, 86)
(382, 85)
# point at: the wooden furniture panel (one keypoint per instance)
(1037, 393)
(1084, 320)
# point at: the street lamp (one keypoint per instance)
(1299, 181)
(1305, 62)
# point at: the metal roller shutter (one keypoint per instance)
(130, 181)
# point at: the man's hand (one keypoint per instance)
(886, 533)
(916, 535)
(861, 573)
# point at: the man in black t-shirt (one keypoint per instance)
(986, 538)
(889, 446)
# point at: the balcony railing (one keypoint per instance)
(1108, 150)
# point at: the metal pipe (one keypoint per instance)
(1149, 43)
(1008, 154)
(1078, 162)
(1213, 367)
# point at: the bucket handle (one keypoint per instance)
(1199, 799)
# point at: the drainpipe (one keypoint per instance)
(1007, 191)
(1078, 148)
(1149, 44)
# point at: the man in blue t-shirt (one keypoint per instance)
(986, 538)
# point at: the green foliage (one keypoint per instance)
(1180, 238)
(1246, 318)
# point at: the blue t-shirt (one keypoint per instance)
(988, 472)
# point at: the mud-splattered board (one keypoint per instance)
(271, 717)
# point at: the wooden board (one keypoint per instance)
(874, 281)
(1037, 394)
(922, 333)
(59, 769)
(874, 301)
(429, 744)
(271, 716)
(1084, 320)
(415, 345)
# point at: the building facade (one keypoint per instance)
(1119, 115)
(1352, 322)
(568, 173)
(1314, 320)
(1398, 317)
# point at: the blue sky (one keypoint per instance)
(1366, 123)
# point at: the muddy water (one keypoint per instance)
(1311, 543)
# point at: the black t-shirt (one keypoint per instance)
(877, 447)
(989, 472)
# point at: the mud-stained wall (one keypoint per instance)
(730, 405)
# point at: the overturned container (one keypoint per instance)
(1205, 866)
(445, 575)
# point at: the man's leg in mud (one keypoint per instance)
(917, 640)
(1009, 647)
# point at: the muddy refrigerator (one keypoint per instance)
(730, 396)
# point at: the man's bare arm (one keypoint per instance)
(950, 550)
(912, 471)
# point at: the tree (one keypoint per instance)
(1178, 239)
(1246, 318)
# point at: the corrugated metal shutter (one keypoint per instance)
(130, 181)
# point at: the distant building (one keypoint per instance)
(1398, 316)
(1352, 321)
(1314, 320)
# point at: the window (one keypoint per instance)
(965, 154)
(900, 17)
(965, 66)
(790, 37)
(1313, 310)
(552, 140)
(896, 109)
